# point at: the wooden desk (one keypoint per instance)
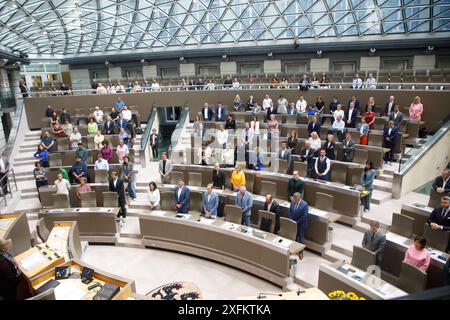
(73, 289)
(338, 277)
(307, 294)
(38, 260)
(14, 226)
(220, 241)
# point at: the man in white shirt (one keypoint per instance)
(301, 104)
(338, 112)
(267, 102)
(62, 186)
(155, 85)
(101, 89)
(101, 164)
(357, 82)
(126, 113)
(322, 166)
(389, 106)
(339, 126)
(371, 82)
(222, 137)
(98, 114)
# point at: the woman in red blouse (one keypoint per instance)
(369, 116)
(58, 130)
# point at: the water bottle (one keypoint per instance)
(292, 267)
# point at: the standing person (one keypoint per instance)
(389, 106)
(106, 151)
(295, 185)
(282, 105)
(220, 113)
(292, 141)
(128, 176)
(210, 202)
(272, 206)
(100, 163)
(222, 137)
(375, 241)
(351, 115)
(322, 166)
(366, 180)
(330, 147)
(230, 124)
(298, 211)
(165, 168)
(154, 197)
(313, 125)
(348, 146)
(42, 155)
(204, 154)
(181, 197)
(417, 255)
(83, 187)
(245, 202)
(116, 185)
(98, 139)
(155, 140)
(14, 284)
(390, 138)
(79, 170)
(122, 151)
(369, 117)
(109, 126)
(307, 154)
(75, 138)
(272, 127)
(119, 104)
(207, 113)
(218, 178)
(363, 129)
(4, 168)
(416, 109)
(285, 154)
(237, 178)
(48, 142)
(92, 126)
(62, 186)
(23, 88)
(82, 153)
(396, 115)
(39, 176)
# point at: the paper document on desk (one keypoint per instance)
(285, 243)
(33, 261)
(207, 221)
(58, 233)
(229, 225)
(69, 291)
(83, 210)
(182, 216)
(55, 210)
(396, 238)
(104, 209)
(58, 245)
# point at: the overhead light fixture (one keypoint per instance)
(224, 56)
(181, 58)
(372, 50)
(107, 62)
(319, 52)
(142, 60)
(430, 48)
(270, 54)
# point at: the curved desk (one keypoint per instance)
(14, 226)
(220, 241)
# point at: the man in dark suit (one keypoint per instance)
(273, 206)
(121, 122)
(23, 89)
(439, 218)
(271, 110)
(313, 125)
(355, 102)
(374, 240)
(155, 140)
(285, 154)
(442, 183)
(109, 125)
(390, 138)
(307, 154)
(207, 112)
(304, 83)
(298, 211)
(348, 146)
(396, 115)
(389, 106)
(218, 178)
(350, 116)
(116, 185)
(182, 197)
(220, 113)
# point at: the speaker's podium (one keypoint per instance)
(305, 294)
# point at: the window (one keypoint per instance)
(51, 77)
(52, 67)
(394, 64)
(169, 72)
(208, 71)
(344, 66)
(295, 67)
(251, 69)
(35, 68)
(133, 74)
(101, 75)
(172, 114)
(36, 81)
(444, 64)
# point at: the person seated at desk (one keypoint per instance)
(181, 197)
(339, 127)
(390, 134)
(122, 151)
(218, 178)
(272, 206)
(83, 187)
(375, 241)
(121, 122)
(230, 124)
(295, 184)
(82, 152)
(153, 196)
(322, 166)
(329, 147)
(40, 178)
(98, 115)
(292, 141)
(106, 151)
(109, 126)
(100, 163)
(49, 111)
(363, 129)
(116, 185)
(79, 170)
(285, 154)
(237, 178)
(14, 284)
(204, 154)
(257, 108)
(348, 146)
(439, 218)
(48, 142)
(64, 116)
(442, 183)
(298, 211)
(250, 104)
(417, 255)
(396, 115)
(42, 155)
(244, 200)
(210, 202)
(301, 105)
(92, 126)
(257, 163)
(313, 125)
(307, 154)
(58, 130)
(366, 180)
(291, 109)
(237, 102)
(123, 135)
(74, 138)
(62, 186)
(311, 110)
(98, 139)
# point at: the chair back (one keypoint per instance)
(282, 165)
(101, 176)
(266, 221)
(60, 201)
(63, 144)
(196, 201)
(402, 225)
(411, 279)
(338, 172)
(110, 199)
(354, 175)
(167, 201)
(268, 187)
(88, 199)
(324, 201)
(375, 139)
(437, 239)
(360, 156)
(288, 229)
(54, 159)
(379, 123)
(233, 214)
(195, 179)
(301, 167)
(46, 295)
(362, 258)
(175, 176)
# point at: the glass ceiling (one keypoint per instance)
(65, 28)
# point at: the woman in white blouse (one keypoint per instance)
(98, 139)
(222, 137)
(315, 142)
(153, 196)
(338, 112)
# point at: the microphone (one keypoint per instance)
(263, 295)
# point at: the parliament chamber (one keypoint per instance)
(182, 161)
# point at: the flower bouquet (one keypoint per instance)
(341, 295)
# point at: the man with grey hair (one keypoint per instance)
(439, 218)
(374, 240)
(298, 211)
(442, 183)
(210, 202)
(244, 201)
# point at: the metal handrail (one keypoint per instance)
(8, 186)
(146, 133)
(177, 132)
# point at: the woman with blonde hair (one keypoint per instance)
(237, 178)
(416, 109)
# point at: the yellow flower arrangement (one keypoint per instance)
(341, 295)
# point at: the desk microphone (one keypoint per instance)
(264, 295)
(300, 291)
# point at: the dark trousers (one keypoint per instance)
(123, 210)
(41, 183)
(155, 151)
(389, 156)
(4, 182)
(300, 233)
(44, 163)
